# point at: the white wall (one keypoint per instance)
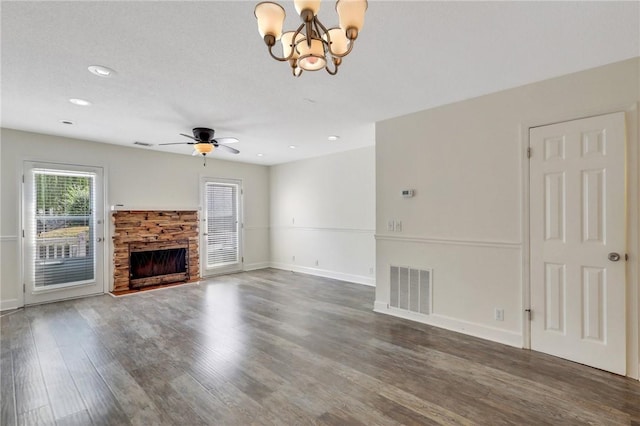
(137, 178)
(467, 163)
(323, 210)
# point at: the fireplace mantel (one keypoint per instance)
(134, 208)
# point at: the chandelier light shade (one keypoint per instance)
(270, 18)
(311, 58)
(312, 5)
(351, 14)
(288, 43)
(312, 46)
(339, 40)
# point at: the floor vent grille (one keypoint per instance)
(411, 289)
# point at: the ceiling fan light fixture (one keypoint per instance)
(203, 142)
(311, 46)
(204, 148)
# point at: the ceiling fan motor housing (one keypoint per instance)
(203, 134)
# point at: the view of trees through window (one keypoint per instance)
(62, 227)
(63, 204)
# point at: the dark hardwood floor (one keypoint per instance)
(277, 348)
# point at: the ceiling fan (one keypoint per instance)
(204, 143)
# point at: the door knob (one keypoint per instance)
(614, 257)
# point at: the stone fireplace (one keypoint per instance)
(152, 247)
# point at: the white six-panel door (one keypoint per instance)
(577, 190)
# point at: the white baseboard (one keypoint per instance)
(6, 305)
(505, 337)
(358, 279)
(257, 265)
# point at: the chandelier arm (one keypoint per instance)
(318, 26)
(335, 55)
(324, 32)
(324, 29)
(309, 31)
(335, 68)
(277, 58)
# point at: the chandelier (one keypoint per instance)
(312, 46)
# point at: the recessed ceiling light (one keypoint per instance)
(333, 138)
(101, 71)
(260, 155)
(292, 146)
(67, 122)
(80, 102)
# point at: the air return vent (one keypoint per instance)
(411, 289)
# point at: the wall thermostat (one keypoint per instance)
(407, 193)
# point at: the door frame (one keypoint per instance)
(100, 215)
(632, 178)
(201, 245)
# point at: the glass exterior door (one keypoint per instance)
(222, 227)
(63, 254)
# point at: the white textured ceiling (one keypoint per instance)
(202, 64)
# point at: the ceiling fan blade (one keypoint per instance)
(189, 136)
(178, 143)
(228, 148)
(225, 140)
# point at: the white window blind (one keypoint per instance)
(222, 224)
(62, 227)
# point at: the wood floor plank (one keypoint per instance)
(8, 411)
(133, 399)
(272, 347)
(156, 379)
(42, 416)
(79, 418)
(102, 406)
(30, 395)
(63, 394)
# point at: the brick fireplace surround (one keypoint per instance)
(155, 226)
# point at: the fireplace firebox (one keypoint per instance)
(153, 263)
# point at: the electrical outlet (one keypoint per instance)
(293, 220)
(398, 226)
(391, 225)
(499, 314)
(317, 263)
(370, 271)
(293, 258)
